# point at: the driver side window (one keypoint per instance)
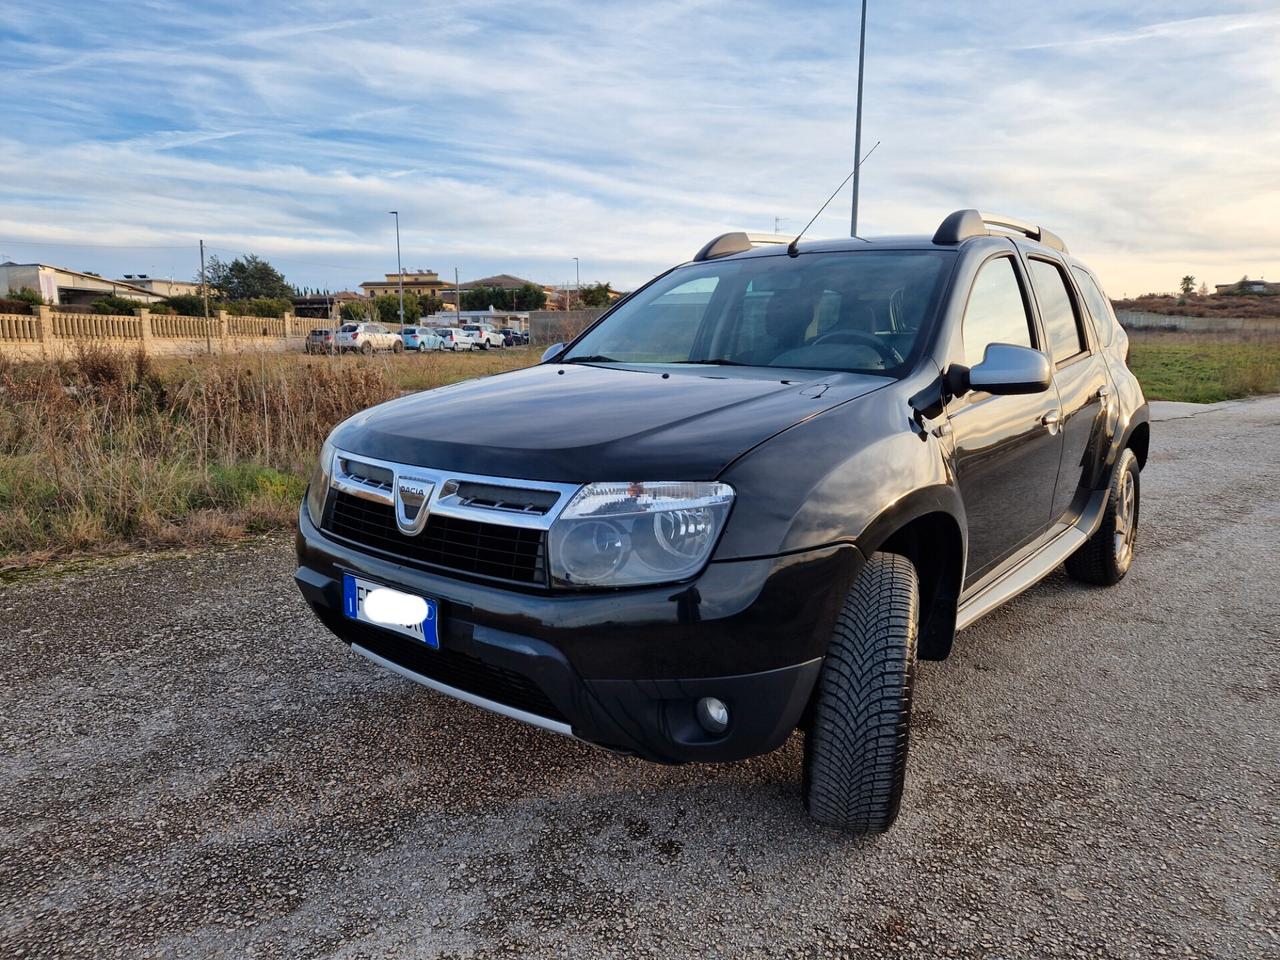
(996, 312)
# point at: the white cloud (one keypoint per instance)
(514, 136)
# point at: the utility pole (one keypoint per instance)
(857, 136)
(399, 269)
(577, 282)
(204, 290)
(778, 222)
(457, 297)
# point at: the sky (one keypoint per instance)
(515, 136)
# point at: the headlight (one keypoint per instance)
(319, 486)
(625, 534)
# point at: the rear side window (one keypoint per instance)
(1057, 310)
(997, 311)
(348, 328)
(1099, 308)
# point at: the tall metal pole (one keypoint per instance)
(204, 290)
(457, 297)
(577, 281)
(399, 269)
(857, 136)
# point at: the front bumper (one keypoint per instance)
(621, 669)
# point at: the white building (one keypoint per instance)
(59, 285)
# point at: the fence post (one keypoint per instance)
(222, 325)
(144, 328)
(46, 330)
(288, 324)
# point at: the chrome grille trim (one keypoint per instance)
(444, 499)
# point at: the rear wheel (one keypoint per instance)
(397, 347)
(855, 751)
(366, 347)
(1107, 556)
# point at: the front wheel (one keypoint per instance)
(397, 347)
(855, 750)
(366, 348)
(1107, 556)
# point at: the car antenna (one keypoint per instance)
(793, 248)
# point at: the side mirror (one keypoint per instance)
(1007, 369)
(551, 351)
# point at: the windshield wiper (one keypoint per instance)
(718, 362)
(593, 358)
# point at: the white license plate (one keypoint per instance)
(355, 591)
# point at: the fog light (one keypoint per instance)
(713, 715)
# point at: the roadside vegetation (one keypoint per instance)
(1205, 368)
(109, 450)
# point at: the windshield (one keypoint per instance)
(859, 311)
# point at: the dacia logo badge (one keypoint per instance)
(411, 497)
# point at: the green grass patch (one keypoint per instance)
(1204, 369)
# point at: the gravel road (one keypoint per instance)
(191, 766)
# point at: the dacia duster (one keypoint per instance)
(745, 500)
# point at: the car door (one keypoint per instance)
(1007, 448)
(1081, 376)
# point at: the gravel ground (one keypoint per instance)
(191, 766)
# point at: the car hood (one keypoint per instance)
(575, 423)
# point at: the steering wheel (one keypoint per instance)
(891, 356)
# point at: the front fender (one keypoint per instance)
(846, 475)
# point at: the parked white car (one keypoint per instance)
(456, 338)
(485, 335)
(367, 337)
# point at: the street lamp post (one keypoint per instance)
(399, 269)
(857, 135)
(577, 281)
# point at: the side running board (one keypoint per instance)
(1037, 564)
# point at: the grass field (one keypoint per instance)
(109, 451)
(1204, 368)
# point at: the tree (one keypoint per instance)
(596, 295)
(246, 278)
(388, 307)
(527, 296)
(354, 312)
(1204, 289)
(1187, 285)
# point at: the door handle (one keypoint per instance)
(1052, 420)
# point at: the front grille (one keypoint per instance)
(462, 672)
(487, 549)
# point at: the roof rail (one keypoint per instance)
(964, 224)
(737, 242)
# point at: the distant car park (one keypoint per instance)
(421, 339)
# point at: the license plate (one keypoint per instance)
(355, 593)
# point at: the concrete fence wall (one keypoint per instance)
(1140, 320)
(52, 333)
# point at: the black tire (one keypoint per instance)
(366, 348)
(855, 751)
(397, 347)
(1107, 556)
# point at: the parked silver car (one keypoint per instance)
(367, 337)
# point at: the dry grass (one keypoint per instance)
(112, 449)
(1216, 305)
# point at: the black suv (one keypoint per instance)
(745, 500)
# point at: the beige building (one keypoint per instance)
(422, 282)
(61, 286)
(161, 287)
